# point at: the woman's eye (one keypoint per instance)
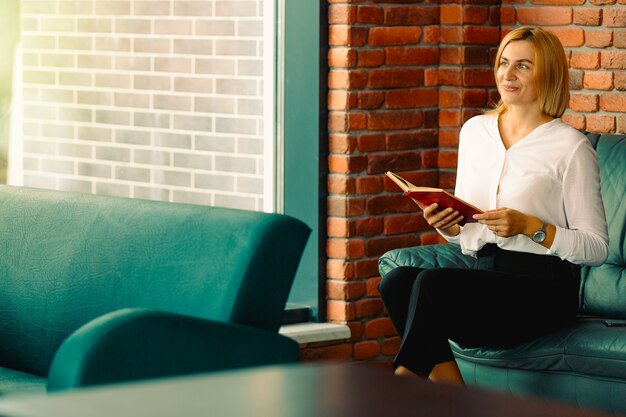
(523, 66)
(503, 63)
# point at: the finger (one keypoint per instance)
(430, 210)
(449, 220)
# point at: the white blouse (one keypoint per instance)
(551, 173)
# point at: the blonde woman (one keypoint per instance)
(538, 180)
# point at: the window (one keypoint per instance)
(178, 101)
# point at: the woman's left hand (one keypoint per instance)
(504, 222)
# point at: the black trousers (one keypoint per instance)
(509, 298)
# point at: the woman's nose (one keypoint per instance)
(509, 73)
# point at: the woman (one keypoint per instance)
(538, 178)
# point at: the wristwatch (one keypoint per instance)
(540, 235)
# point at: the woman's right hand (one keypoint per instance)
(446, 220)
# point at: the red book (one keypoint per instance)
(428, 196)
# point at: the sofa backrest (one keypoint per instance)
(603, 288)
(66, 258)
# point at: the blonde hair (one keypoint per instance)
(551, 70)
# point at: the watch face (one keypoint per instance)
(539, 236)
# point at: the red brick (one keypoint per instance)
(614, 17)
(478, 77)
(431, 77)
(598, 38)
(584, 102)
(392, 203)
(341, 184)
(340, 121)
(569, 36)
(337, 227)
(342, 352)
(369, 185)
(613, 102)
(396, 77)
(372, 285)
(621, 124)
(432, 34)
(381, 162)
(340, 310)
(411, 56)
(475, 14)
(447, 179)
(451, 14)
(614, 59)
(449, 117)
(371, 143)
(380, 327)
(476, 55)
(369, 14)
(366, 349)
(394, 119)
(404, 223)
(369, 226)
(482, 35)
(413, 97)
(411, 139)
(585, 60)
(341, 143)
(450, 55)
(576, 120)
(451, 34)
(395, 35)
(343, 290)
(575, 79)
(345, 206)
(356, 330)
(345, 248)
(601, 2)
(450, 76)
(412, 15)
(341, 13)
(367, 268)
(371, 58)
(600, 123)
(598, 80)
(370, 99)
(544, 16)
(557, 2)
(379, 245)
(473, 97)
(587, 16)
(347, 79)
(619, 38)
(390, 346)
(429, 158)
(508, 17)
(447, 158)
(341, 100)
(339, 269)
(344, 35)
(450, 97)
(341, 57)
(368, 307)
(619, 80)
(448, 137)
(346, 164)
(431, 238)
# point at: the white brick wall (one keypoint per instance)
(149, 99)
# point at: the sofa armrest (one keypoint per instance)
(445, 255)
(132, 344)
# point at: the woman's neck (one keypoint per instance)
(516, 123)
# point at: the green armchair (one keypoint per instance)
(99, 289)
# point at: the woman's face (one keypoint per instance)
(515, 75)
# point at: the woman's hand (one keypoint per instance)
(506, 222)
(446, 220)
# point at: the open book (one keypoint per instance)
(428, 196)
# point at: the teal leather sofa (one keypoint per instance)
(584, 364)
(98, 289)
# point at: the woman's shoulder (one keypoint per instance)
(562, 131)
(482, 120)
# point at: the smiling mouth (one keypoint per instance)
(509, 88)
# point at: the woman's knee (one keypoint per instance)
(398, 280)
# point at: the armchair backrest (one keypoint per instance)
(67, 258)
(603, 288)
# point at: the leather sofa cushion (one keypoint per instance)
(16, 382)
(589, 348)
(604, 287)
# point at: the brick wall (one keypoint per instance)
(151, 99)
(404, 76)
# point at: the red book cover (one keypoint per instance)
(428, 196)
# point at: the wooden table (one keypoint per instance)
(346, 390)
